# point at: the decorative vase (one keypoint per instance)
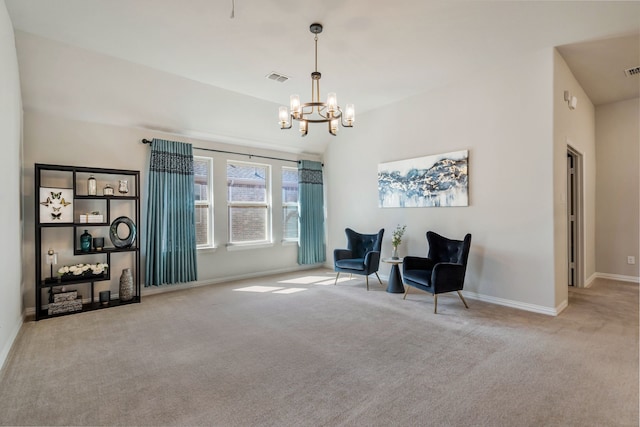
(126, 285)
(123, 186)
(91, 186)
(394, 254)
(85, 241)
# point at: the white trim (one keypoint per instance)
(4, 354)
(517, 304)
(590, 280)
(510, 303)
(564, 304)
(246, 246)
(581, 224)
(620, 277)
(152, 290)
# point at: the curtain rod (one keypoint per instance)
(146, 141)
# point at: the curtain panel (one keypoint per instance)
(311, 204)
(171, 232)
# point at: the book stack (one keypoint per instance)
(91, 218)
(65, 302)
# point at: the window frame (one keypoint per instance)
(286, 204)
(209, 203)
(267, 204)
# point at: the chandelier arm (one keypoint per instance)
(342, 122)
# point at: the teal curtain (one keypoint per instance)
(171, 230)
(311, 204)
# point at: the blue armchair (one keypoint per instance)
(362, 255)
(442, 271)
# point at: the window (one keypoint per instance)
(248, 201)
(289, 203)
(203, 192)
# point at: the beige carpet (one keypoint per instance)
(328, 356)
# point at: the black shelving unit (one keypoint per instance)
(47, 175)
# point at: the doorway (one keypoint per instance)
(575, 234)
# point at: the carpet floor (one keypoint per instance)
(295, 350)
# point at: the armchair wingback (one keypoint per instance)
(442, 271)
(362, 255)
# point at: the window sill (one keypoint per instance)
(206, 249)
(289, 243)
(246, 246)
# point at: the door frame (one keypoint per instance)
(575, 187)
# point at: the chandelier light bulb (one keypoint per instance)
(284, 117)
(294, 101)
(304, 127)
(333, 126)
(350, 114)
(332, 102)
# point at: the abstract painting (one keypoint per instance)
(56, 205)
(430, 181)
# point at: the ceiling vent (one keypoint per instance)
(630, 72)
(277, 77)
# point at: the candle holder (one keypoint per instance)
(105, 297)
(52, 259)
(98, 243)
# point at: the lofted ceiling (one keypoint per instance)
(371, 52)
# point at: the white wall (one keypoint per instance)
(577, 129)
(504, 118)
(10, 135)
(57, 140)
(618, 192)
(68, 81)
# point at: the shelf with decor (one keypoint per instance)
(85, 232)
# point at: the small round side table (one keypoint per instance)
(394, 285)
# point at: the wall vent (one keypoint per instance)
(630, 72)
(277, 77)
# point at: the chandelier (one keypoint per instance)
(316, 111)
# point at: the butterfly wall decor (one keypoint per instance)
(56, 205)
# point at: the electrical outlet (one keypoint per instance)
(631, 260)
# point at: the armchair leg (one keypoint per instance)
(337, 275)
(462, 298)
(367, 279)
(379, 279)
(406, 291)
(435, 303)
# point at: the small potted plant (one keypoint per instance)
(396, 239)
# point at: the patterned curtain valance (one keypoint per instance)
(309, 172)
(171, 157)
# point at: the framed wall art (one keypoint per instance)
(56, 205)
(430, 181)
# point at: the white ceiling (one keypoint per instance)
(372, 53)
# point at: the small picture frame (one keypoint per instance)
(56, 205)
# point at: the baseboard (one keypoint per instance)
(620, 277)
(517, 304)
(590, 280)
(4, 354)
(152, 290)
(31, 311)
